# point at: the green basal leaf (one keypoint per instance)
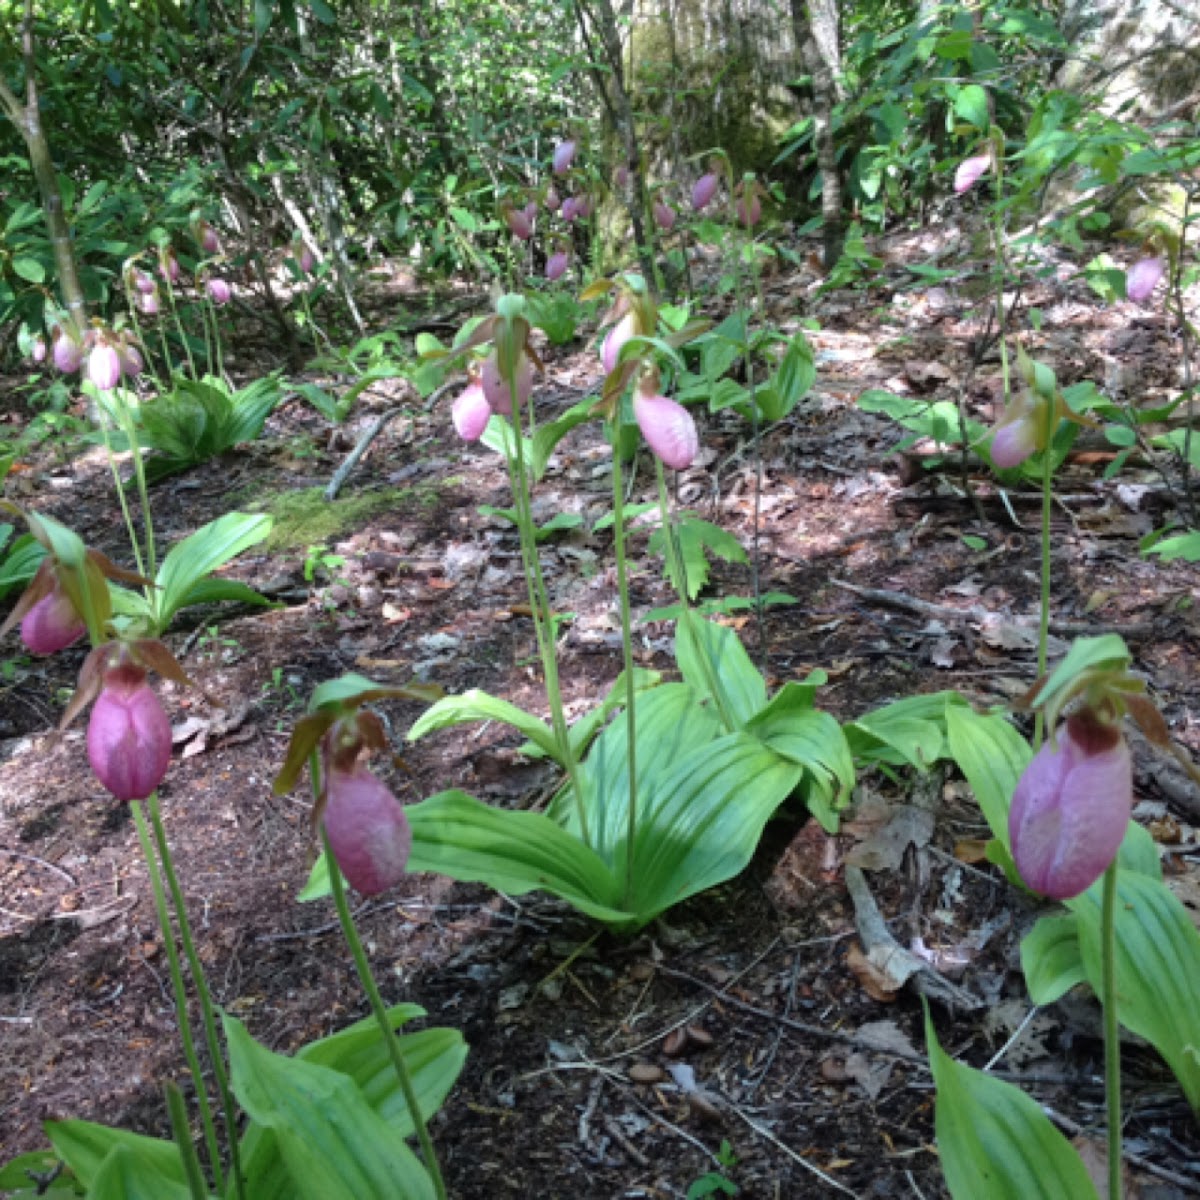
(353, 688)
(1051, 958)
(334, 1144)
(710, 657)
(84, 1145)
(126, 1175)
(20, 564)
(547, 437)
(798, 732)
(476, 705)
(514, 852)
(199, 555)
(992, 755)
(1158, 968)
(908, 732)
(216, 591)
(995, 1142)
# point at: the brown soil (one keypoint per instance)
(572, 1087)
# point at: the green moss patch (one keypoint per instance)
(305, 518)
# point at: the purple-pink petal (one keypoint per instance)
(1013, 443)
(496, 389)
(368, 831)
(471, 413)
(67, 353)
(564, 155)
(616, 337)
(1143, 277)
(556, 265)
(129, 736)
(969, 171)
(704, 190)
(519, 223)
(668, 428)
(52, 624)
(749, 214)
(104, 367)
(1071, 808)
(664, 216)
(219, 291)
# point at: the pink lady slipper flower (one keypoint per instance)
(553, 200)
(1071, 808)
(143, 282)
(210, 241)
(368, 832)
(666, 425)
(583, 206)
(132, 364)
(519, 223)
(564, 155)
(1143, 277)
(556, 265)
(621, 177)
(148, 303)
(219, 291)
(471, 412)
(104, 365)
(168, 265)
(66, 350)
(570, 209)
(664, 215)
(306, 259)
(969, 171)
(1014, 442)
(129, 735)
(617, 336)
(38, 351)
(496, 388)
(704, 190)
(748, 209)
(52, 624)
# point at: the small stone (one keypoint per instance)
(646, 1073)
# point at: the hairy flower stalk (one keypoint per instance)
(1071, 807)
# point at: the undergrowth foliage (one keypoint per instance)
(122, 292)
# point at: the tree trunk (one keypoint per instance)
(817, 26)
(28, 120)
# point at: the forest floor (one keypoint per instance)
(605, 1066)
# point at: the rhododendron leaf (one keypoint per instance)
(355, 1157)
(994, 1141)
(476, 705)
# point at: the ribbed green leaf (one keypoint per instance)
(479, 706)
(995, 1142)
(1158, 969)
(1051, 959)
(908, 732)
(127, 1175)
(992, 755)
(334, 1144)
(84, 1145)
(741, 689)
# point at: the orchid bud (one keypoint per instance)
(308, 261)
(52, 624)
(219, 291)
(147, 303)
(37, 352)
(1014, 442)
(553, 200)
(519, 223)
(616, 337)
(143, 282)
(104, 366)
(749, 211)
(496, 389)
(66, 351)
(621, 177)
(583, 206)
(471, 412)
(210, 240)
(1143, 277)
(969, 171)
(564, 155)
(367, 829)
(667, 426)
(168, 265)
(664, 215)
(704, 190)
(129, 736)
(1071, 808)
(556, 265)
(132, 364)
(570, 209)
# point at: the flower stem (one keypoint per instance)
(338, 888)
(539, 602)
(1112, 1043)
(185, 1025)
(1044, 611)
(627, 648)
(215, 1053)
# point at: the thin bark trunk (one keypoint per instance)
(27, 118)
(818, 39)
(605, 22)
